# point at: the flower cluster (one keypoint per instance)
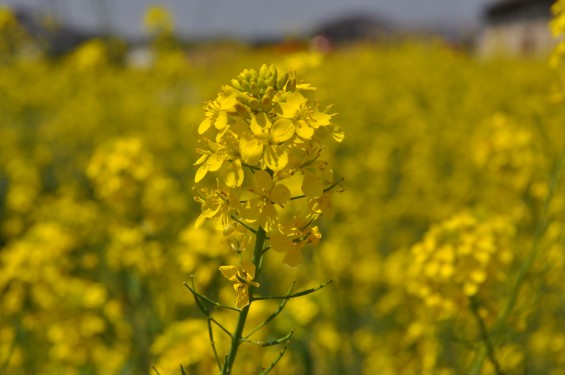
(557, 26)
(262, 138)
(457, 259)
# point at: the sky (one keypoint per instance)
(252, 19)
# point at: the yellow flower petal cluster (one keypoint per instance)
(262, 141)
(557, 26)
(261, 137)
(457, 259)
(242, 278)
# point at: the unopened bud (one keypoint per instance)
(235, 83)
(270, 92)
(281, 82)
(266, 103)
(254, 104)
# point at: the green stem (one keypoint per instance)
(543, 221)
(294, 295)
(238, 334)
(485, 336)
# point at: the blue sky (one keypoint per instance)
(255, 19)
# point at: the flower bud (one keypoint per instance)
(254, 88)
(235, 83)
(254, 104)
(270, 92)
(266, 103)
(283, 79)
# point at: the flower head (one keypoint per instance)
(242, 278)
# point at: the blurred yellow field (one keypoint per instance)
(446, 247)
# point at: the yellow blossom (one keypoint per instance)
(242, 278)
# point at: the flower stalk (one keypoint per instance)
(262, 137)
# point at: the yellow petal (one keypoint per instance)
(227, 100)
(229, 272)
(234, 175)
(293, 103)
(204, 125)
(321, 119)
(200, 220)
(337, 133)
(282, 130)
(201, 159)
(249, 268)
(293, 257)
(250, 148)
(221, 120)
(263, 181)
(304, 130)
(312, 186)
(200, 173)
(280, 194)
(276, 158)
(214, 162)
(280, 242)
(259, 123)
(268, 217)
(250, 210)
(242, 298)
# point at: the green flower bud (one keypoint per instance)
(270, 92)
(264, 70)
(254, 104)
(281, 82)
(270, 83)
(266, 103)
(242, 98)
(254, 88)
(235, 83)
(291, 85)
(261, 82)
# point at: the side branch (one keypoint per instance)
(274, 363)
(273, 315)
(244, 225)
(485, 336)
(203, 297)
(278, 341)
(297, 294)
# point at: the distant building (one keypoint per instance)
(353, 28)
(53, 38)
(516, 28)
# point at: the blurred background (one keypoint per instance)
(483, 25)
(450, 234)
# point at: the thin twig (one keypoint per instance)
(274, 363)
(278, 341)
(221, 326)
(294, 295)
(214, 303)
(155, 369)
(485, 336)
(212, 342)
(244, 225)
(273, 315)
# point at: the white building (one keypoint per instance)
(516, 28)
